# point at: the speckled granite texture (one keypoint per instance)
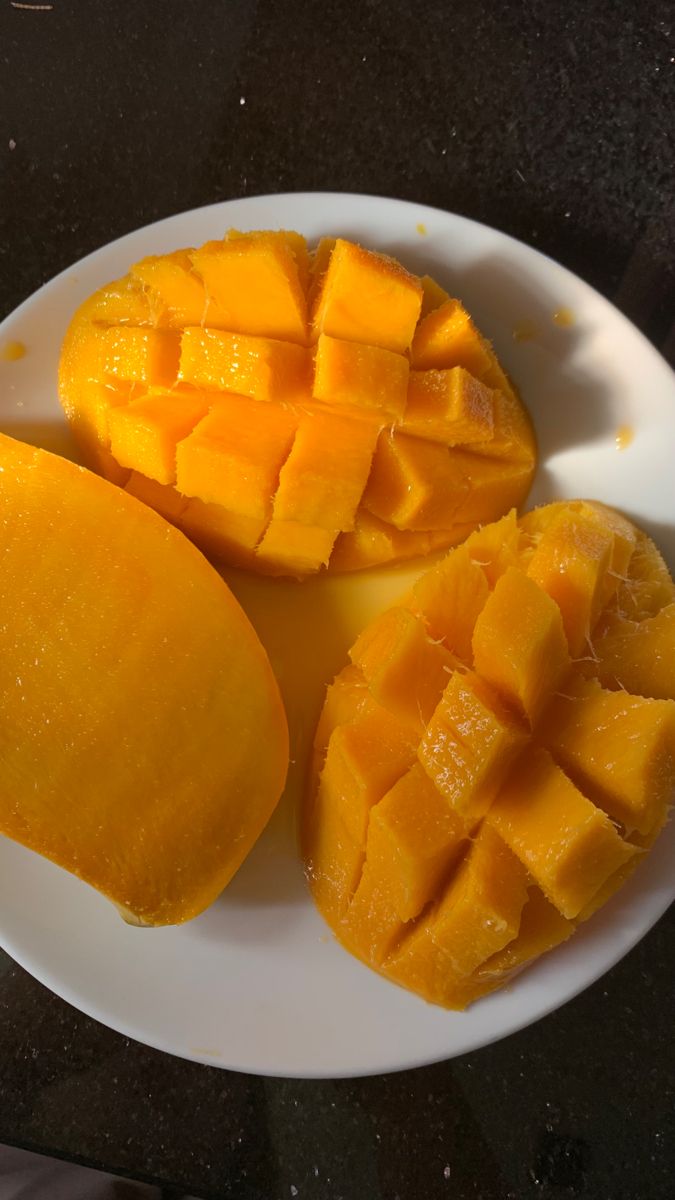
(552, 122)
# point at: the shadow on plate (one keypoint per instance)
(53, 435)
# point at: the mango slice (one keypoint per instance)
(383, 464)
(136, 696)
(481, 789)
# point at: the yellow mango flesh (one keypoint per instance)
(469, 744)
(519, 643)
(255, 281)
(636, 656)
(406, 671)
(449, 598)
(145, 433)
(569, 846)
(368, 298)
(383, 465)
(366, 378)
(455, 836)
(448, 406)
(476, 916)
(227, 460)
(133, 762)
(622, 747)
(447, 337)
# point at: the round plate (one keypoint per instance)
(257, 983)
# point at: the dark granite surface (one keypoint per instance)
(552, 122)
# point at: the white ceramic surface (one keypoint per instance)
(257, 983)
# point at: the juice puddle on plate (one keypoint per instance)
(307, 628)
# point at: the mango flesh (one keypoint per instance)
(274, 384)
(503, 783)
(144, 739)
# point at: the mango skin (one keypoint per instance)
(144, 742)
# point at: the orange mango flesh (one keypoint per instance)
(524, 657)
(462, 841)
(469, 745)
(384, 464)
(145, 433)
(619, 747)
(636, 656)
(569, 846)
(448, 406)
(133, 762)
(366, 378)
(227, 460)
(255, 281)
(368, 298)
(405, 671)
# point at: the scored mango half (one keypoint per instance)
(499, 753)
(292, 410)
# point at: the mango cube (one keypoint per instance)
(160, 496)
(448, 406)
(495, 547)
(476, 917)
(365, 378)
(519, 643)
(449, 598)
(413, 836)
(234, 455)
(255, 282)
(542, 928)
(405, 671)
(412, 484)
(323, 478)
(364, 759)
(221, 532)
(413, 840)
(367, 297)
(569, 846)
(334, 858)
(621, 746)
(294, 548)
(447, 337)
(433, 295)
(571, 564)
(372, 542)
(258, 367)
(177, 295)
(140, 355)
(637, 656)
(469, 745)
(144, 434)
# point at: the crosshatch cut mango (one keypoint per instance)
(483, 780)
(407, 432)
(144, 738)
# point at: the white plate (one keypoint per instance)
(257, 983)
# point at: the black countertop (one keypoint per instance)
(552, 122)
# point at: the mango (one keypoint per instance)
(343, 457)
(481, 789)
(136, 696)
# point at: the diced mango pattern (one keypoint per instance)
(483, 781)
(403, 430)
